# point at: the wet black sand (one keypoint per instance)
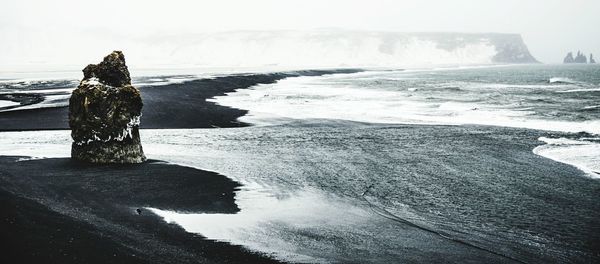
(59, 211)
(181, 105)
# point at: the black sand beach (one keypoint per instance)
(180, 105)
(487, 196)
(58, 211)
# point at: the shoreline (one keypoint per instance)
(58, 206)
(60, 211)
(540, 173)
(178, 105)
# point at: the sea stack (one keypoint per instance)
(104, 114)
(580, 58)
(569, 58)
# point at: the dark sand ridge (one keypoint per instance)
(58, 211)
(181, 105)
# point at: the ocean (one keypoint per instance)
(474, 164)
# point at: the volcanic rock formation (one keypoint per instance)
(104, 114)
(580, 58)
(569, 58)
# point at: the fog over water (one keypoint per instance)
(65, 34)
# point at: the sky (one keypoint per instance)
(550, 28)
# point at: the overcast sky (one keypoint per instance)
(550, 28)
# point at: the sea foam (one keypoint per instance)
(327, 98)
(4, 103)
(583, 154)
(561, 80)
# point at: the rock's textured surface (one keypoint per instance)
(104, 114)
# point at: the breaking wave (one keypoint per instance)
(581, 153)
(561, 80)
(456, 103)
(440, 97)
(580, 90)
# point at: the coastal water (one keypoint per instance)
(468, 185)
(476, 165)
(43, 90)
(348, 192)
(542, 97)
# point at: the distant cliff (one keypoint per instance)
(288, 49)
(339, 48)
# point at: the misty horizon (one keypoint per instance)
(68, 32)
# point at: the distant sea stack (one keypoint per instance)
(569, 58)
(580, 58)
(104, 114)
